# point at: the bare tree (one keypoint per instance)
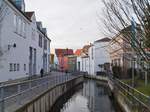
(118, 17)
(131, 19)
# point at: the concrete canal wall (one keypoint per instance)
(129, 99)
(45, 101)
(121, 100)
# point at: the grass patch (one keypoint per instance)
(127, 81)
(145, 89)
(140, 85)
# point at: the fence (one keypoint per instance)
(135, 100)
(13, 96)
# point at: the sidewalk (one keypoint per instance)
(14, 95)
(20, 85)
(23, 79)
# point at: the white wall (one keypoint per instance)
(20, 54)
(101, 55)
(97, 54)
(79, 60)
(91, 60)
(85, 64)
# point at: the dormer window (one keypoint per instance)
(40, 41)
(45, 44)
(20, 4)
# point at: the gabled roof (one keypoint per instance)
(23, 13)
(29, 14)
(39, 25)
(44, 31)
(106, 39)
(85, 49)
(63, 52)
(78, 52)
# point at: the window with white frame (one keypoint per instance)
(14, 67)
(19, 26)
(24, 67)
(33, 34)
(40, 41)
(15, 22)
(48, 46)
(92, 53)
(24, 29)
(18, 67)
(10, 67)
(45, 44)
(21, 30)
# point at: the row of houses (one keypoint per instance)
(114, 55)
(66, 60)
(92, 58)
(109, 55)
(24, 43)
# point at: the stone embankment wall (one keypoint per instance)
(44, 102)
(126, 100)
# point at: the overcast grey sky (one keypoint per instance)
(70, 23)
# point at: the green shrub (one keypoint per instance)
(129, 72)
(117, 71)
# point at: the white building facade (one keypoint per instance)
(101, 55)
(91, 60)
(24, 45)
(79, 63)
(83, 64)
(95, 57)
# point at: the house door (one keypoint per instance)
(34, 64)
(45, 62)
(30, 61)
(79, 66)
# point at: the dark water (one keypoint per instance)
(90, 96)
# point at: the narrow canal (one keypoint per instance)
(91, 96)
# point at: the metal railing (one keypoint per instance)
(102, 78)
(13, 96)
(134, 98)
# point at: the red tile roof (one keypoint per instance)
(63, 52)
(78, 52)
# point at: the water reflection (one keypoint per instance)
(90, 97)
